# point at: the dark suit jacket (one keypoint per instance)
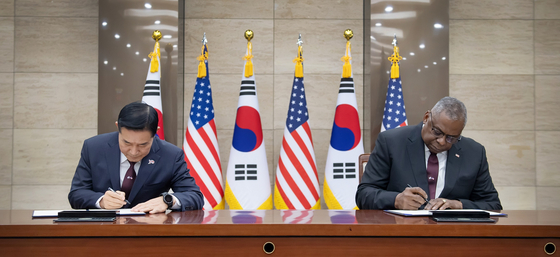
(99, 169)
(398, 159)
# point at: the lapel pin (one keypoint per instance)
(457, 155)
(150, 161)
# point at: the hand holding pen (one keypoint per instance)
(421, 195)
(411, 198)
(113, 199)
(125, 195)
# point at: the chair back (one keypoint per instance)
(362, 161)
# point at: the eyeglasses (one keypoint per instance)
(438, 134)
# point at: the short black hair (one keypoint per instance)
(138, 116)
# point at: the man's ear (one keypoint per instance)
(426, 116)
(117, 124)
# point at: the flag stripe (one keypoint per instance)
(297, 164)
(308, 132)
(203, 160)
(213, 126)
(283, 195)
(151, 88)
(210, 142)
(293, 186)
(152, 82)
(310, 142)
(203, 187)
(207, 195)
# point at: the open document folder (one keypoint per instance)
(413, 213)
(54, 213)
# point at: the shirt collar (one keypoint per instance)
(123, 158)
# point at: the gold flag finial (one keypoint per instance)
(156, 35)
(202, 58)
(299, 59)
(155, 55)
(249, 34)
(347, 67)
(395, 58)
(249, 64)
(348, 34)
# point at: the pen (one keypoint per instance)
(127, 200)
(426, 200)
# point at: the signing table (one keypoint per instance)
(280, 233)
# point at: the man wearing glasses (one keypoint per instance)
(429, 166)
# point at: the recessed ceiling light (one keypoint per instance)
(174, 46)
(144, 59)
(117, 36)
(404, 58)
(148, 6)
(128, 45)
(378, 24)
(438, 26)
(435, 63)
(122, 74)
(426, 66)
(387, 72)
(137, 53)
(418, 70)
(422, 46)
(114, 68)
(104, 24)
(443, 58)
(389, 8)
(105, 62)
(157, 22)
(411, 53)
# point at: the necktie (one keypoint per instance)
(432, 170)
(128, 180)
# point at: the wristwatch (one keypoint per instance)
(167, 199)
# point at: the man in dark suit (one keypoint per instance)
(430, 157)
(139, 167)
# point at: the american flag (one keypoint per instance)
(394, 114)
(201, 144)
(297, 183)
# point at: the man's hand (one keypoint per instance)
(155, 205)
(442, 204)
(112, 200)
(410, 199)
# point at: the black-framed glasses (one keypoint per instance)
(438, 134)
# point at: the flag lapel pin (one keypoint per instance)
(457, 155)
(150, 161)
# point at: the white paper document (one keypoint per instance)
(412, 213)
